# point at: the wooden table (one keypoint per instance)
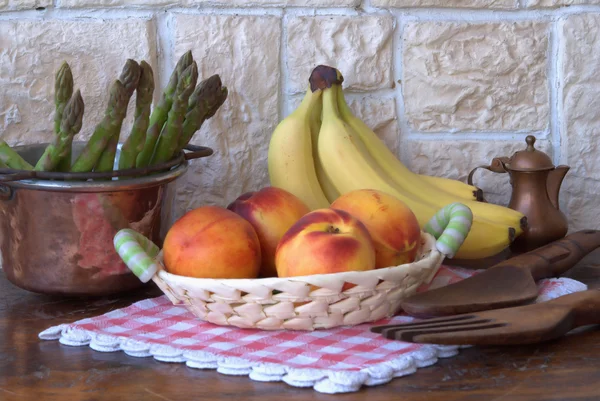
(30, 369)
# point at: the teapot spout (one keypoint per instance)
(555, 179)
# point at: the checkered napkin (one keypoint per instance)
(338, 360)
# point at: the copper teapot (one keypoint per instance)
(535, 185)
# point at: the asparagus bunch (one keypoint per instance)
(157, 134)
(209, 95)
(12, 159)
(102, 133)
(169, 138)
(135, 142)
(160, 113)
(130, 77)
(63, 90)
(70, 126)
(186, 113)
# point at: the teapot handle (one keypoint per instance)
(498, 165)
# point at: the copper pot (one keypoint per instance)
(56, 235)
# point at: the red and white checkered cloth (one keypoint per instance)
(331, 361)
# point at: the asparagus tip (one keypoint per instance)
(220, 100)
(130, 75)
(64, 67)
(184, 61)
(189, 76)
(74, 110)
(145, 87)
(145, 66)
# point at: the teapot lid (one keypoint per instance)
(530, 159)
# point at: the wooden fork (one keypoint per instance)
(518, 325)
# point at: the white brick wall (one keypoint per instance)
(447, 84)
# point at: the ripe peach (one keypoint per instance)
(212, 242)
(325, 241)
(392, 225)
(271, 211)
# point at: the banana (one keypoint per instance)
(411, 183)
(349, 165)
(453, 187)
(315, 125)
(485, 239)
(290, 156)
(390, 163)
(394, 166)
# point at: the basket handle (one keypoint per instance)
(450, 226)
(138, 253)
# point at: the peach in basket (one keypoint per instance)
(271, 211)
(310, 302)
(212, 242)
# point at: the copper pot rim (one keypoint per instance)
(102, 181)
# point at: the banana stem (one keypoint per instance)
(323, 77)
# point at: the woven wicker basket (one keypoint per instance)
(312, 302)
(299, 303)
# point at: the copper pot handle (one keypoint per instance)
(498, 165)
(196, 152)
(18, 176)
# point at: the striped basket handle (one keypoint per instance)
(450, 226)
(138, 253)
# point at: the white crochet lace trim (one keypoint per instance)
(324, 381)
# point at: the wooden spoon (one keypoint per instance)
(508, 283)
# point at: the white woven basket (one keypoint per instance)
(287, 303)
(305, 302)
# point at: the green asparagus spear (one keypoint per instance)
(192, 126)
(107, 158)
(11, 158)
(69, 127)
(184, 62)
(63, 90)
(157, 121)
(102, 133)
(160, 113)
(204, 103)
(169, 139)
(130, 77)
(135, 142)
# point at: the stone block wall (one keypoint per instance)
(447, 84)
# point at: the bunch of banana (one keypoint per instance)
(290, 157)
(322, 150)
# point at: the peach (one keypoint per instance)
(271, 211)
(212, 242)
(325, 241)
(392, 224)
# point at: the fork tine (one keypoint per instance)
(449, 319)
(394, 333)
(435, 335)
(458, 324)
